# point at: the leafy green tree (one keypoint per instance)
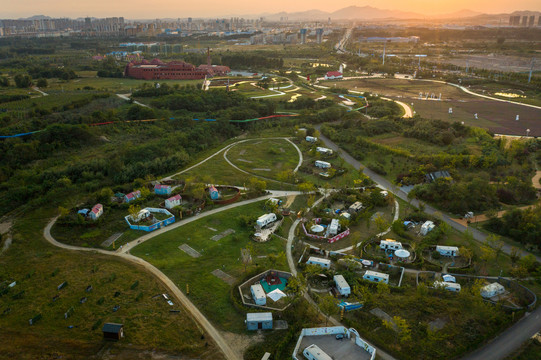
(327, 305)
(23, 81)
(4, 81)
(42, 83)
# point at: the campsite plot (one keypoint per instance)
(210, 293)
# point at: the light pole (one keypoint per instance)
(527, 132)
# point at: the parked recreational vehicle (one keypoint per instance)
(313, 352)
(450, 286)
(375, 276)
(324, 151)
(322, 164)
(311, 139)
(258, 294)
(390, 244)
(266, 219)
(324, 263)
(356, 206)
(334, 227)
(341, 285)
(447, 250)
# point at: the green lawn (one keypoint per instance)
(259, 155)
(209, 293)
(39, 268)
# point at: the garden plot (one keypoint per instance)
(224, 276)
(189, 250)
(223, 234)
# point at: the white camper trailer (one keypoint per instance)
(322, 164)
(311, 139)
(341, 285)
(258, 294)
(266, 219)
(390, 244)
(449, 286)
(324, 263)
(324, 151)
(334, 227)
(447, 250)
(313, 352)
(375, 276)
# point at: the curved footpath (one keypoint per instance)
(512, 338)
(291, 236)
(179, 295)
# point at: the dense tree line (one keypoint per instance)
(49, 72)
(523, 226)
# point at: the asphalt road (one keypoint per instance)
(512, 338)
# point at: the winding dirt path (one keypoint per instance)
(190, 307)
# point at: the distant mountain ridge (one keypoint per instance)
(366, 13)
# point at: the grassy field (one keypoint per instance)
(117, 85)
(209, 293)
(39, 269)
(266, 157)
(497, 116)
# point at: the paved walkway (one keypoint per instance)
(127, 98)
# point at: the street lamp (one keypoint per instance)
(527, 132)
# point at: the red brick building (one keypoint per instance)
(157, 69)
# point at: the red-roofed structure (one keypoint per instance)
(132, 196)
(333, 75)
(173, 201)
(157, 69)
(96, 211)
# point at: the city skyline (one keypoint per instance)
(140, 9)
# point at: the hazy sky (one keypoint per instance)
(213, 8)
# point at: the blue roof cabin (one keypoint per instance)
(160, 189)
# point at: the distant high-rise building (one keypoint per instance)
(303, 36)
(319, 35)
(516, 20)
(531, 21)
(329, 21)
(524, 21)
(539, 21)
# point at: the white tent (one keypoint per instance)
(276, 294)
(402, 253)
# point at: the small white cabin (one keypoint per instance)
(322, 164)
(341, 285)
(311, 139)
(427, 227)
(258, 294)
(313, 352)
(492, 290)
(324, 151)
(450, 286)
(447, 250)
(375, 276)
(266, 219)
(173, 201)
(390, 244)
(324, 263)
